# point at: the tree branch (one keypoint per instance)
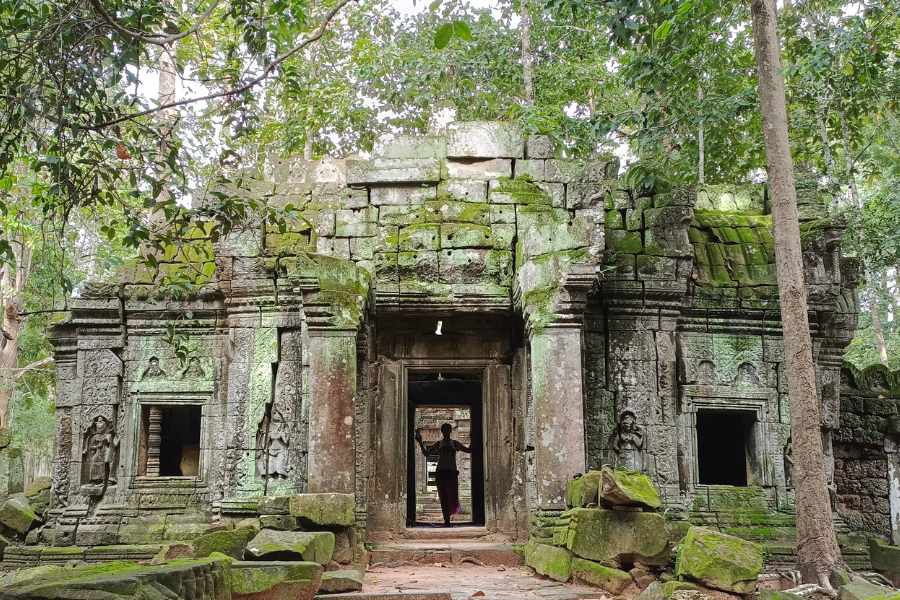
(237, 90)
(158, 40)
(38, 364)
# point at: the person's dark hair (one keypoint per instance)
(446, 428)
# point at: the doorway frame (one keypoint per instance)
(476, 415)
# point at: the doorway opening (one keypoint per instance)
(178, 441)
(725, 446)
(436, 399)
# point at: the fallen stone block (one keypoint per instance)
(626, 488)
(345, 580)
(885, 559)
(618, 537)
(860, 589)
(550, 561)
(606, 578)
(230, 542)
(325, 509)
(683, 590)
(719, 560)
(316, 546)
(581, 492)
(274, 580)
(17, 514)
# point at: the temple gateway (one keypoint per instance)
(556, 319)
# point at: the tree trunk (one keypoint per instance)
(848, 161)
(527, 59)
(12, 288)
(875, 314)
(701, 143)
(166, 93)
(817, 550)
(823, 136)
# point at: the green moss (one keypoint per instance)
(247, 578)
(610, 579)
(719, 560)
(230, 542)
(608, 536)
(522, 190)
(618, 487)
(553, 562)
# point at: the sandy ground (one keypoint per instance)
(471, 581)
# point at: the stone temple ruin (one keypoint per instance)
(582, 323)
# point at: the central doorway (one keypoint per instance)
(437, 398)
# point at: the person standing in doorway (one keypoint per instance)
(447, 474)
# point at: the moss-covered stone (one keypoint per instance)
(860, 589)
(17, 514)
(627, 488)
(325, 508)
(581, 492)
(274, 580)
(230, 542)
(719, 560)
(316, 546)
(343, 581)
(617, 537)
(593, 573)
(553, 562)
(885, 559)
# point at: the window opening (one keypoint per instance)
(170, 441)
(725, 446)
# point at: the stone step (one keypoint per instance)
(464, 532)
(445, 552)
(386, 596)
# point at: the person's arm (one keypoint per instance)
(462, 448)
(421, 443)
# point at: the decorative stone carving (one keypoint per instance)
(746, 375)
(787, 455)
(706, 372)
(273, 440)
(627, 443)
(100, 451)
(153, 370)
(193, 369)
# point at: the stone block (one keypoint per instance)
(503, 213)
(455, 211)
(268, 544)
(413, 146)
(466, 235)
(494, 168)
(606, 578)
(581, 492)
(274, 505)
(625, 488)
(230, 542)
(419, 237)
(274, 580)
(860, 589)
(419, 266)
(618, 537)
(585, 194)
(388, 170)
(550, 561)
(885, 559)
(535, 169)
(484, 139)
(466, 190)
(540, 146)
(401, 195)
(343, 581)
(325, 508)
(17, 515)
(718, 560)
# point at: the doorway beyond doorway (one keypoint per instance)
(436, 398)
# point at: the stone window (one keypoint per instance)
(170, 440)
(725, 446)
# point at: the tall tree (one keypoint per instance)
(817, 550)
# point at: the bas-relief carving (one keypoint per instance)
(706, 372)
(746, 376)
(99, 455)
(830, 394)
(193, 369)
(626, 444)
(273, 439)
(153, 369)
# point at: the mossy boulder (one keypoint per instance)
(885, 559)
(860, 589)
(17, 515)
(345, 580)
(606, 578)
(627, 488)
(316, 546)
(718, 560)
(230, 542)
(618, 537)
(274, 580)
(325, 509)
(582, 491)
(550, 561)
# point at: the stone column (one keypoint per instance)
(332, 391)
(556, 379)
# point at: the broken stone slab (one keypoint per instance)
(627, 488)
(230, 542)
(345, 580)
(550, 561)
(683, 590)
(581, 492)
(388, 170)
(860, 589)
(269, 544)
(325, 508)
(618, 537)
(17, 515)
(718, 560)
(606, 578)
(274, 580)
(484, 139)
(282, 522)
(188, 579)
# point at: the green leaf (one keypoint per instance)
(462, 31)
(662, 32)
(442, 36)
